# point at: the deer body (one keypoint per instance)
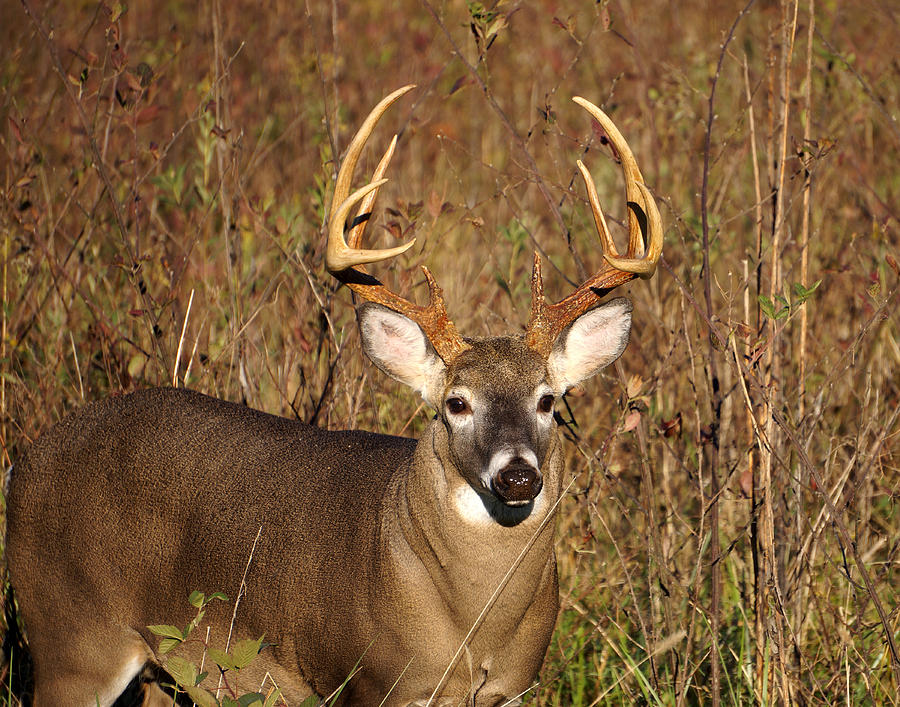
(347, 557)
(429, 564)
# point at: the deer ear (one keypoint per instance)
(590, 343)
(400, 348)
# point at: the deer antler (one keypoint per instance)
(343, 260)
(644, 232)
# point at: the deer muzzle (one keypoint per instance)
(517, 483)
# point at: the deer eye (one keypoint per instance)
(545, 404)
(457, 406)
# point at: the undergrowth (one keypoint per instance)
(732, 535)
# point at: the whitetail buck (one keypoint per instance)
(387, 552)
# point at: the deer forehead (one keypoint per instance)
(502, 366)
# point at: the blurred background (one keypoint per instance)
(733, 530)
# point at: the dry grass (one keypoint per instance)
(734, 533)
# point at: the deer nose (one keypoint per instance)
(517, 483)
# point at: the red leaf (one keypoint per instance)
(147, 115)
(746, 482)
(14, 125)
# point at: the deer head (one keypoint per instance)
(495, 396)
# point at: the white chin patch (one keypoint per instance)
(470, 506)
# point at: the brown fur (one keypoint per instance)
(128, 505)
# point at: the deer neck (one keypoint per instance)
(437, 531)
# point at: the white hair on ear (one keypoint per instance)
(400, 348)
(592, 342)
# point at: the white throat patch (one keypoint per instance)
(470, 507)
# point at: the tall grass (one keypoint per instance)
(732, 536)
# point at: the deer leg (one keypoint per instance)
(92, 668)
(155, 696)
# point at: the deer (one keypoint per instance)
(422, 570)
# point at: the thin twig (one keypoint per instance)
(713, 379)
(187, 315)
(100, 166)
(242, 590)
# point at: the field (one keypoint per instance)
(732, 533)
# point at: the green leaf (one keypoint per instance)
(251, 699)
(182, 671)
(222, 659)
(500, 281)
(803, 293)
(765, 304)
(201, 697)
(167, 630)
(245, 651)
(167, 644)
(119, 9)
(496, 26)
(276, 694)
(309, 701)
(197, 599)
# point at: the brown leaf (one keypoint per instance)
(305, 346)
(634, 386)
(670, 428)
(893, 264)
(413, 210)
(147, 115)
(395, 229)
(458, 84)
(14, 126)
(746, 482)
(434, 204)
(132, 81)
(743, 330)
(632, 420)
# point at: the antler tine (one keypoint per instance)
(636, 194)
(549, 320)
(365, 206)
(609, 247)
(344, 259)
(339, 256)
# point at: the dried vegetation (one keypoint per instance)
(733, 531)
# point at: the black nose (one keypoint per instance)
(517, 483)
